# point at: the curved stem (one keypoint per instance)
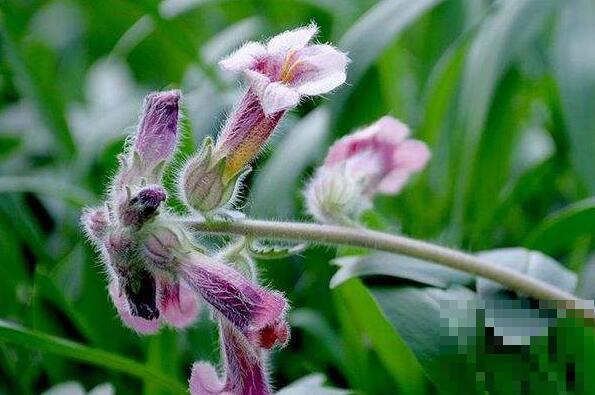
(330, 234)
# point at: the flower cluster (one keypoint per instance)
(159, 274)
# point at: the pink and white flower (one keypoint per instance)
(378, 159)
(279, 73)
(245, 371)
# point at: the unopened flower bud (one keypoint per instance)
(204, 184)
(157, 131)
(155, 140)
(142, 207)
(95, 222)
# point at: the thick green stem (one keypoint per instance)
(333, 235)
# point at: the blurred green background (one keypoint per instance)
(502, 91)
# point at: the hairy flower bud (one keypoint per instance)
(141, 207)
(376, 159)
(157, 130)
(155, 140)
(162, 244)
(203, 183)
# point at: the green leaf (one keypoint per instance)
(574, 61)
(372, 33)
(15, 334)
(512, 27)
(393, 265)
(33, 67)
(162, 355)
(532, 263)
(44, 185)
(559, 231)
(386, 342)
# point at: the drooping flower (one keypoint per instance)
(377, 159)
(256, 312)
(279, 73)
(245, 371)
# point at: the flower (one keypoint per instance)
(245, 372)
(377, 159)
(288, 67)
(256, 312)
(279, 73)
(176, 302)
(142, 207)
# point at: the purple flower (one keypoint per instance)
(157, 131)
(256, 312)
(377, 159)
(245, 373)
(279, 73)
(140, 208)
(176, 303)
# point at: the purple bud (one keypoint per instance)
(251, 308)
(157, 130)
(142, 206)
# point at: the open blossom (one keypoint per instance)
(177, 304)
(377, 159)
(258, 313)
(245, 371)
(279, 73)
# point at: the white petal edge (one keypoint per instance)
(244, 58)
(291, 40)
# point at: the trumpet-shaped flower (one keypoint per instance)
(245, 372)
(255, 311)
(377, 159)
(279, 73)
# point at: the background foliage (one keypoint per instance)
(502, 91)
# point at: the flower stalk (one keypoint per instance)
(341, 235)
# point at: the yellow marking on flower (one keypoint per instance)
(288, 68)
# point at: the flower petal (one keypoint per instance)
(412, 155)
(177, 303)
(244, 58)
(291, 40)
(273, 96)
(393, 182)
(319, 69)
(138, 324)
(205, 381)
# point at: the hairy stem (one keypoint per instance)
(333, 235)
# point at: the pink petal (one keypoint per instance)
(205, 381)
(387, 129)
(138, 324)
(273, 96)
(393, 182)
(320, 69)
(178, 304)
(291, 40)
(412, 155)
(244, 58)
